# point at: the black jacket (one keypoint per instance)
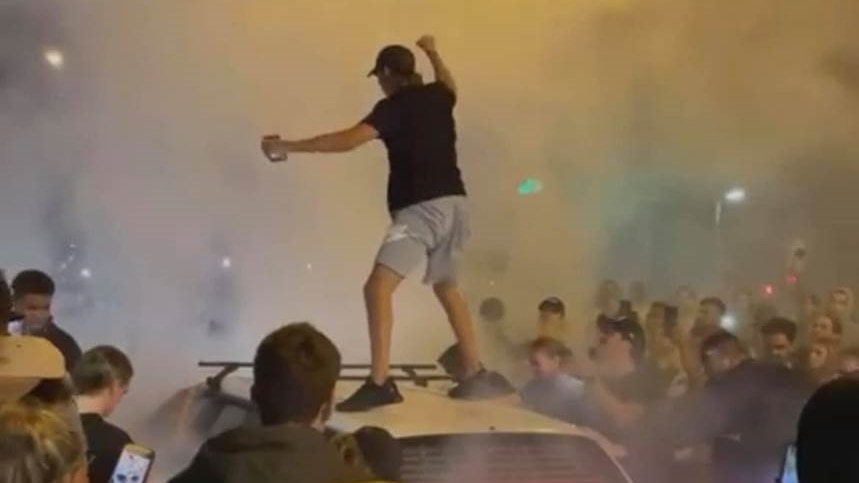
(272, 454)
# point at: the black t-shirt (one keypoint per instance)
(105, 443)
(417, 126)
(64, 342)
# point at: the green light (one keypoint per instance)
(530, 186)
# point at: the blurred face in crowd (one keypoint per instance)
(839, 305)
(823, 328)
(36, 310)
(549, 324)
(777, 347)
(818, 356)
(709, 315)
(613, 348)
(544, 365)
(717, 363)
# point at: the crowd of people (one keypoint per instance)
(686, 398)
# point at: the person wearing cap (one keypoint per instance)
(622, 387)
(426, 201)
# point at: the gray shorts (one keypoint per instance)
(436, 230)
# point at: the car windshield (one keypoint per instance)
(502, 458)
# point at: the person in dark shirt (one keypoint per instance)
(426, 200)
(827, 450)
(102, 378)
(295, 370)
(747, 411)
(33, 293)
(625, 385)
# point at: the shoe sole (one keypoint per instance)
(364, 409)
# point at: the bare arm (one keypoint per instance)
(335, 142)
(442, 74)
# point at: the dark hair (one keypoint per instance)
(99, 368)
(716, 302)
(780, 325)
(722, 341)
(49, 392)
(827, 450)
(553, 305)
(33, 282)
(295, 370)
(629, 330)
(552, 348)
(381, 451)
(5, 303)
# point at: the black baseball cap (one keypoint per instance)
(397, 59)
(553, 305)
(628, 328)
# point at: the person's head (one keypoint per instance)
(295, 370)
(721, 352)
(395, 69)
(5, 304)
(848, 362)
(551, 314)
(33, 292)
(840, 304)
(654, 322)
(621, 342)
(103, 374)
(820, 355)
(548, 357)
(825, 327)
(827, 450)
(710, 311)
(38, 446)
(778, 336)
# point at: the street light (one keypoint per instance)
(735, 195)
(54, 58)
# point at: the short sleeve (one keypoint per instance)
(383, 118)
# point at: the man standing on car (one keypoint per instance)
(426, 200)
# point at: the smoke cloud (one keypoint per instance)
(139, 158)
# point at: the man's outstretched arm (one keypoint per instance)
(442, 74)
(335, 142)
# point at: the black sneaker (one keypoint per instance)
(482, 385)
(371, 395)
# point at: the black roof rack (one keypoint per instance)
(410, 372)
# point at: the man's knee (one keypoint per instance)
(382, 282)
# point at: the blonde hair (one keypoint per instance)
(37, 446)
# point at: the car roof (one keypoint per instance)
(428, 411)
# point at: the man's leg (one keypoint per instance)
(460, 321)
(378, 294)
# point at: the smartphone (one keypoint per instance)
(788, 466)
(669, 322)
(134, 465)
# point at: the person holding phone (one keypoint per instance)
(102, 378)
(427, 203)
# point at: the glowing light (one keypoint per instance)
(227, 262)
(54, 58)
(791, 279)
(735, 195)
(769, 290)
(309, 266)
(729, 322)
(530, 186)
(86, 273)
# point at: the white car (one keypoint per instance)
(452, 441)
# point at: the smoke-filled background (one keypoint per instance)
(129, 136)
